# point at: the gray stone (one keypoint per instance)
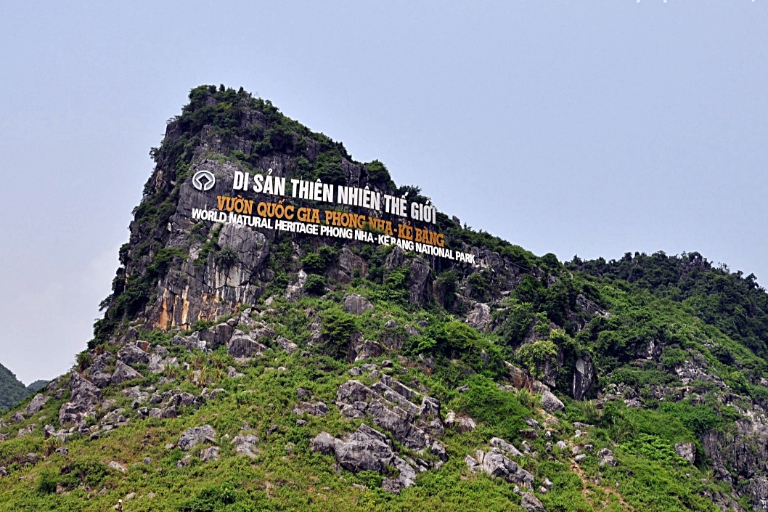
(405, 479)
(116, 466)
(232, 373)
(210, 454)
(36, 404)
(479, 316)
(397, 422)
(83, 398)
(497, 464)
(439, 450)
(32, 459)
(365, 450)
(243, 345)
(354, 391)
(245, 444)
(367, 350)
(583, 377)
(156, 363)
(687, 451)
(3, 471)
(550, 402)
(606, 458)
(132, 354)
(196, 435)
(124, 373)
(472, 464)
(323, 443)
(287, 345)
(316, 409)
(531, 503)
(419, 282)
(505, 447)
(101, 379)
(356, 304)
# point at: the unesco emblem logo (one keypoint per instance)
(203, 180)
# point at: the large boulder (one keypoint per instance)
(356, 304)
(245, 444)
(550, 402)
(397, 422)
(505, 447)
(124, 373)
(132, 354)
(84, 395)
(196, 435)
(324, 443)
(365, 450)
(244, 346)
(36, 404)
(531, 503)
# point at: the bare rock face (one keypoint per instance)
(36, 404)
(480, 316)
(316, 409)
(419, 282)
(366, 350)
(196, 435)
(83, 398)
(356, 304)
(758, 489)
(583, 377)
(124, 373)
(354, 391)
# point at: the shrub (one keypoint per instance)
(337, 327)
(315, 284)
(46, 482)
(226, 257)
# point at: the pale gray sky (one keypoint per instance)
(590, 128)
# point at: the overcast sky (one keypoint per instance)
(590, 128)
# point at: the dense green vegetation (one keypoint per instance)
(11, 390)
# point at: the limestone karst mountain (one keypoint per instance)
(291, 330)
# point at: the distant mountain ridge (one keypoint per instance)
(12, 390)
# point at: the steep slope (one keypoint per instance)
(289, 329)
(12, 391)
